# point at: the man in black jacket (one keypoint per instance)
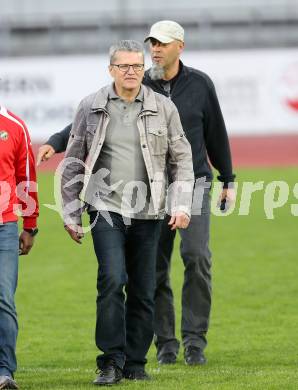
(194, 95)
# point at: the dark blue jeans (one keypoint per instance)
(9, 246)
(126, 257)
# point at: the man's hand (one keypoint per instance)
(26, 242)
(226, 199)
(75, 232)
(179, 220)
(45, 152)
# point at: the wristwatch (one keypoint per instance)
(32, 231)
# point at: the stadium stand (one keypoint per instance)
(34, 27)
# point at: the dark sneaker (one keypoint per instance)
(194, 356)
(138, 374)
(6, 382)
(167, 358)
(109, 374)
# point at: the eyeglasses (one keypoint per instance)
(125, 67)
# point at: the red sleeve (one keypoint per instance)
(26, 180)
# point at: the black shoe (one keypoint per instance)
(138, 374)
(167, 358)
(109, 374)
(6, 382)
(194, 356)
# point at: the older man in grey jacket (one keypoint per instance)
(122, 139)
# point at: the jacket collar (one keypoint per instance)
(101, 99)
(102, 96)
(184, 69)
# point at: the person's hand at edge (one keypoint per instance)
(26, 242)
(179, 220)
(75, 232)
(45, 152)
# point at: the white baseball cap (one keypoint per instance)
(166, 31)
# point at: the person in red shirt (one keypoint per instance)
(18, 196)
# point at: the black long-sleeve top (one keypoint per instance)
(59, 140)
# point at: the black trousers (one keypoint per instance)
(196, 292)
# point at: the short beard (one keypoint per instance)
(156, 72)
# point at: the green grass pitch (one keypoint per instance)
(253, 334)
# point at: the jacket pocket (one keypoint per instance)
(158, 140)
(90, 132)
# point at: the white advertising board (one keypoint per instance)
(258, 90)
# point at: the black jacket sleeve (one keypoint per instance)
(59, 140)
(216, 138)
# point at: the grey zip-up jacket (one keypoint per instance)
(162, 141)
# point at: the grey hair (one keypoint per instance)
(125, 45)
